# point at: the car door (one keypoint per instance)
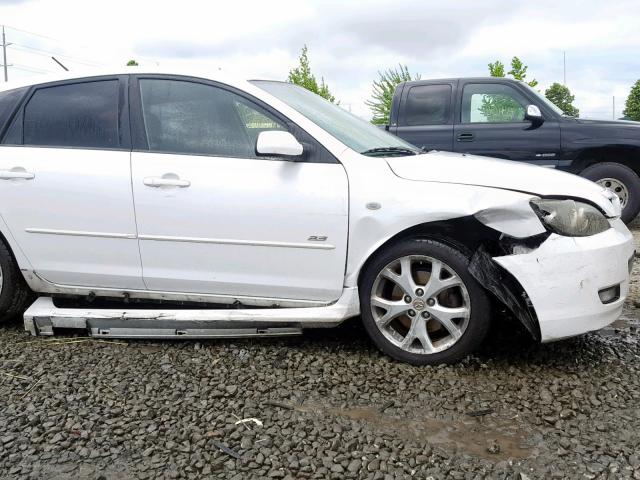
(215, 218)
(65, 184)
(491, 123)
(425, 116)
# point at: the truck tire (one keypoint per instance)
(14, 292)
(621, 180)
(416, 317)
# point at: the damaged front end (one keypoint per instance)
(559, 265)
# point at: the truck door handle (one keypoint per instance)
(16, 174)
(466, 137)
(166, 181)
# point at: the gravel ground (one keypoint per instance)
(330, 407)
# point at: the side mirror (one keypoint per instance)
(533, 114)
(278, 143)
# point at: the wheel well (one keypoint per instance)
(478, 243)
(628, 156)
(463, 233)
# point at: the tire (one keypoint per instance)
(603, 173)
(14, 292)
(395, 338)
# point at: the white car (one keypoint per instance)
(149, 204)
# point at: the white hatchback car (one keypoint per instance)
(261, 209)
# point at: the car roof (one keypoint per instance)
(213, 74)
(466, 79)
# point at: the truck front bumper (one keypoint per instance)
(575, 284)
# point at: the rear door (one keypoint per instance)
(215, 218)
(490, 122)
(65, 184)
(425, 116)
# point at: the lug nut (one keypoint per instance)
(431, 302)
(425, 315)
(411, 313)
(419, 292)
(407, 299)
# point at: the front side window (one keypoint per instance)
(75, 115)
(492, 103)
(428, 105)
(194, 118)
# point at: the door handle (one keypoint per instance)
(466, 137)
(158, 182)
(16, 174)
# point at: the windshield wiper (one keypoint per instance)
(391, 150)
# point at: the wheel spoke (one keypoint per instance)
(445, 315)
(405, 279)
(392, 309)
(435, 285)
(418, 331)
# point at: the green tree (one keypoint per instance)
(518, 71)
(301, 75)
(561, 97)
(503, 108)
(496, 69)
(383, 90)
(632, 107)
(132, 63)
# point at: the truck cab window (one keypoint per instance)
(492, 103)
(428, 105)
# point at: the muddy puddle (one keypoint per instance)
(473, 436)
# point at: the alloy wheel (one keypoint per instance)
(420, 304)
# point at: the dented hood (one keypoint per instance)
(445, 167)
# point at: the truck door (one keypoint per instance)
(491, 122)
(425, 116)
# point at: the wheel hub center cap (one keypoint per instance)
(418, 304)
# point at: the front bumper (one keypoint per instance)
(563, 276)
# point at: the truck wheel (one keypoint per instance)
(421, 305)
(14, 292)
(621, 180)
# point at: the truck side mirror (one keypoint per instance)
(534, 115)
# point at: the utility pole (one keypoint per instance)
(614, 107)
(4, 56)
(564, 68)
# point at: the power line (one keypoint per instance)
(48, 53)
(32, 33)
(30, 69)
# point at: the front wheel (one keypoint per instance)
(421, 305)
(622, 181)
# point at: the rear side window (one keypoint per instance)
(428, 105)
(8, 102)
(76, 115)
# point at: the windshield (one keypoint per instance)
(546, 101)
(354, 132)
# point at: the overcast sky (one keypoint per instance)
(349, 41)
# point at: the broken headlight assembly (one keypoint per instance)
(570, 218)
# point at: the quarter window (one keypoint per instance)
(428, 105)
(75, 115)
(194, 118)
(492, 103)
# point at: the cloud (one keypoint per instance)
(348, 41)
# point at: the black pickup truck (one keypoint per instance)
(504, 118)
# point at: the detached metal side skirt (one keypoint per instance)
(43, 318)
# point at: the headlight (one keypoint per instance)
(570, 218)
